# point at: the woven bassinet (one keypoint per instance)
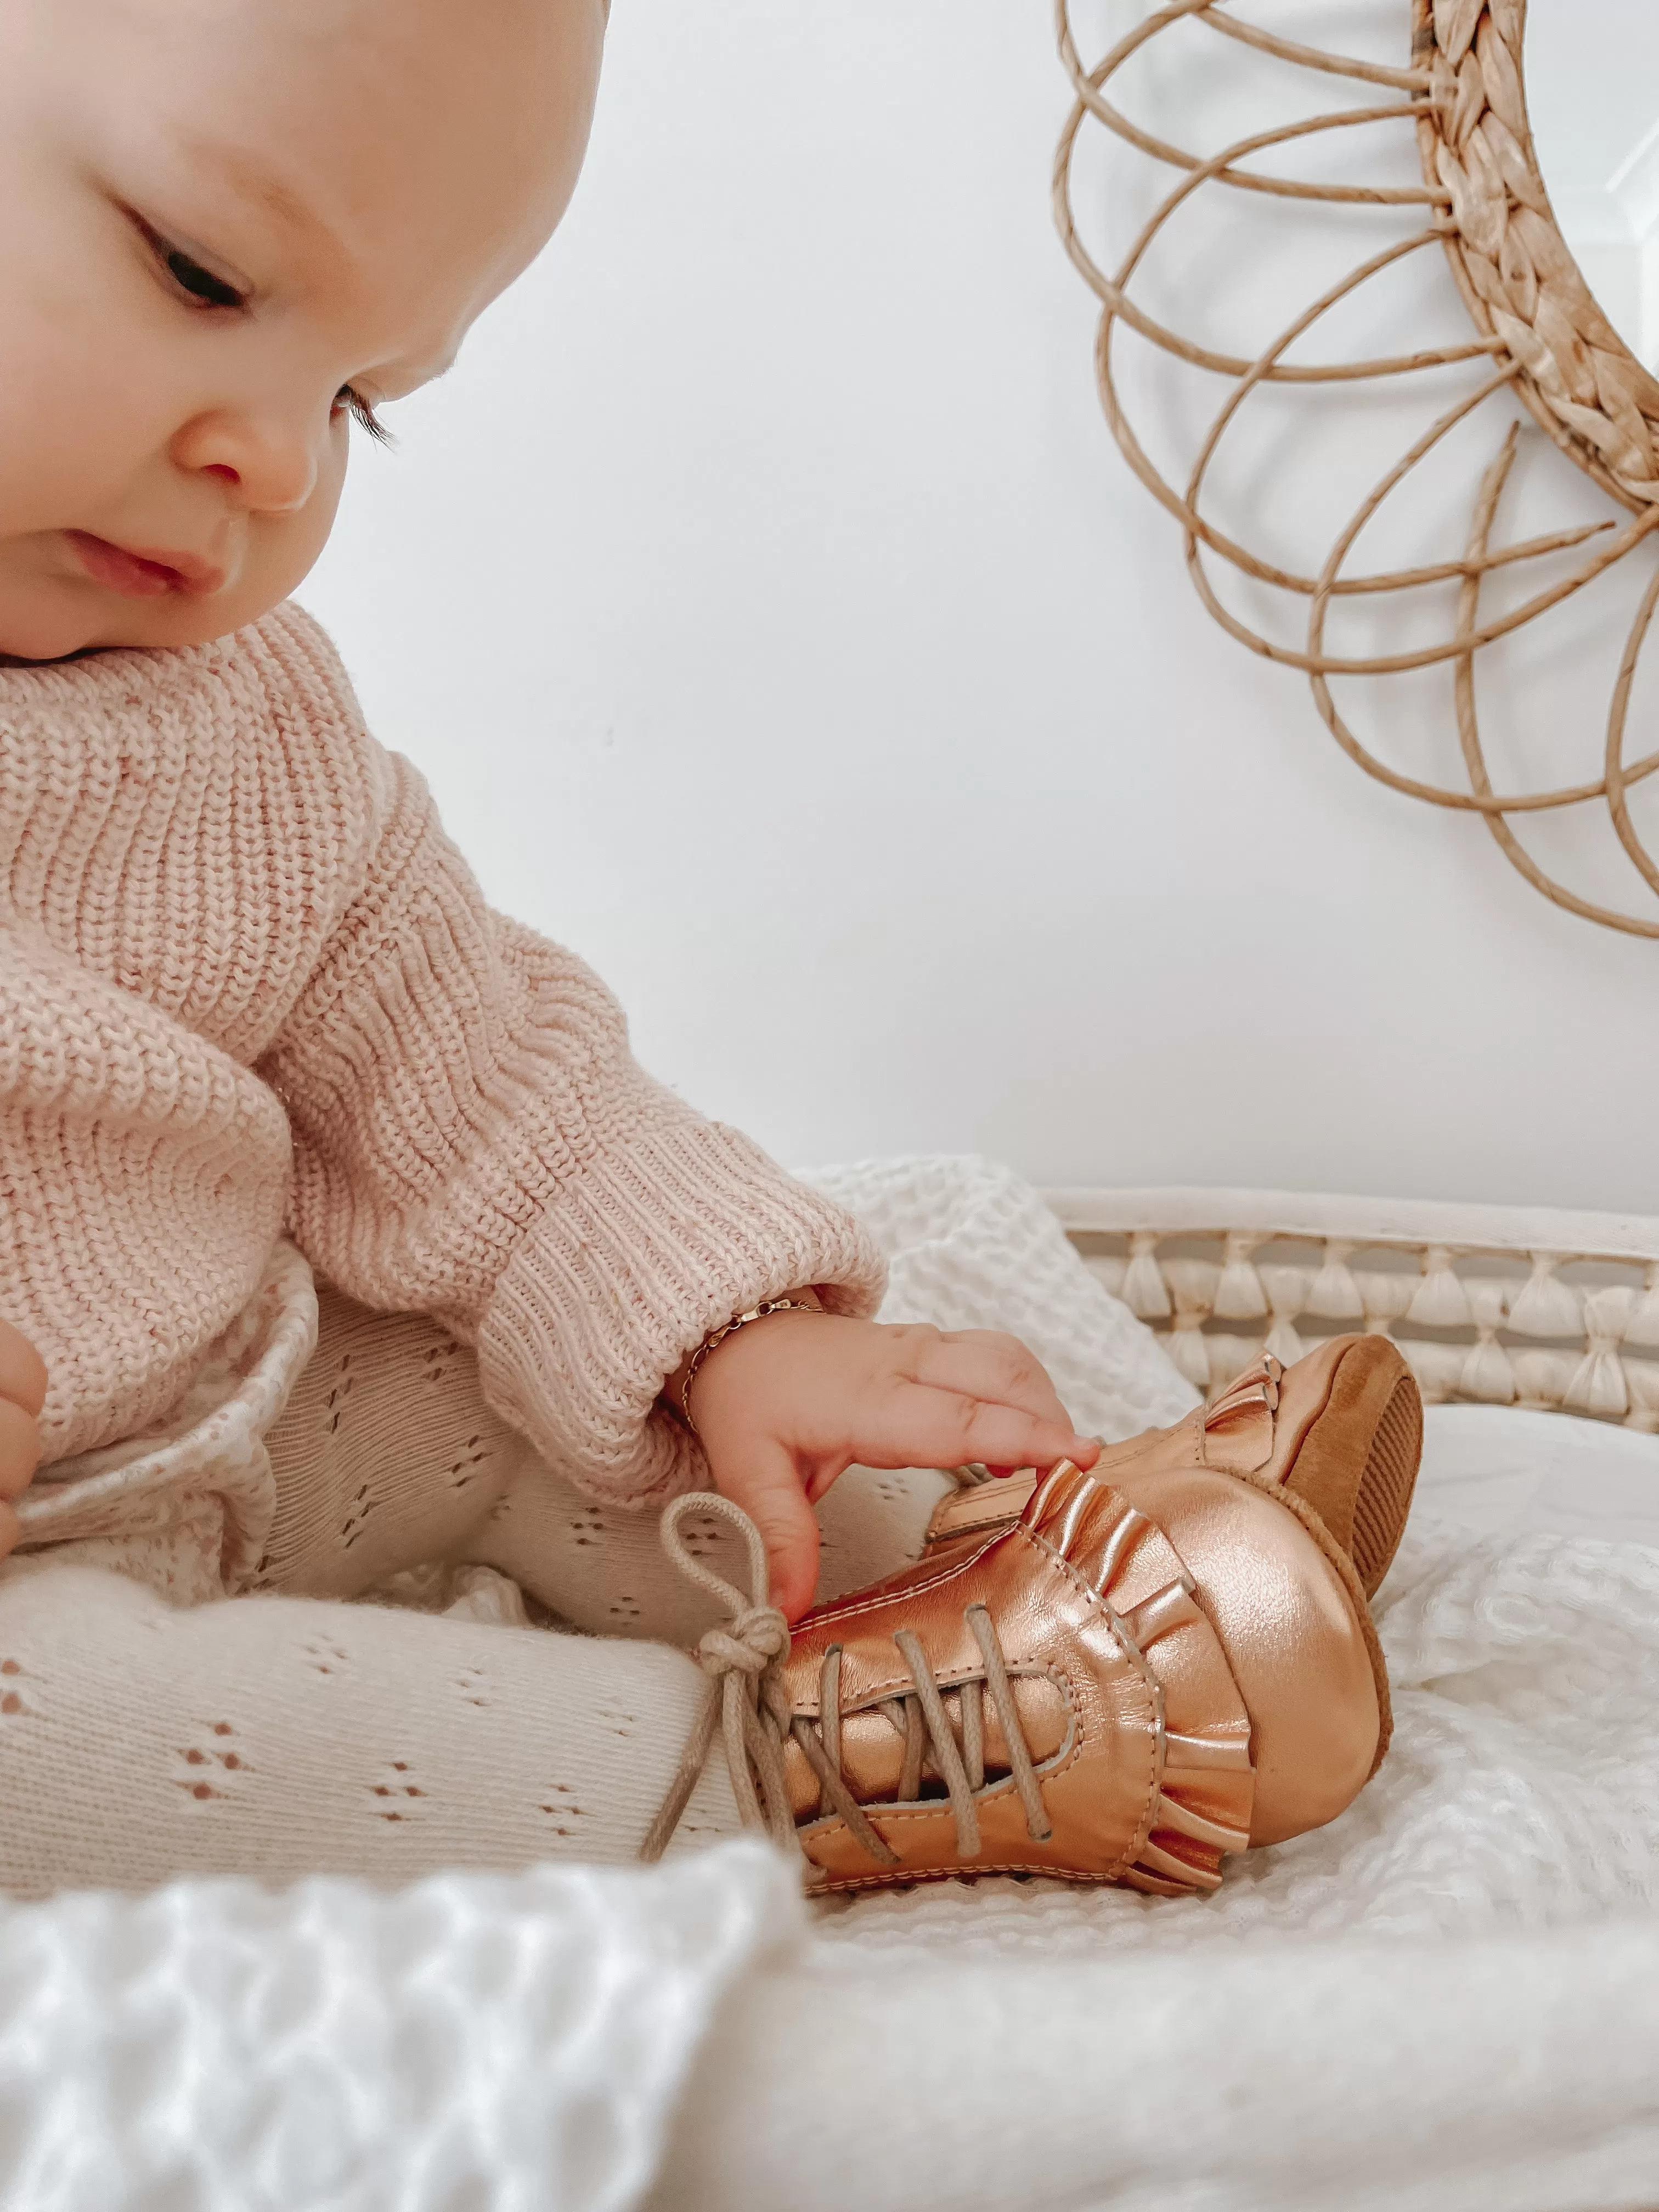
(1504, 1305)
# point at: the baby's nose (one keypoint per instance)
(269, 465)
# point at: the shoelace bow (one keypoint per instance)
(746, 1700)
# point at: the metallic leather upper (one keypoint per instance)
(1137, 1732)
(1189, 1651)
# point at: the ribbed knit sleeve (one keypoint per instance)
(473, 1139)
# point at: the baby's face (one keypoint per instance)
(229, 224)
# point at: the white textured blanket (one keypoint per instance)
(1449, 1998)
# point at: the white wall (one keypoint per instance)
(767, 604)
(1596, 133)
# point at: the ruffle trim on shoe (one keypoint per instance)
(1205, 1779)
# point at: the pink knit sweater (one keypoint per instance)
(247, 982)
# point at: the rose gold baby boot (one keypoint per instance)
(1126, 1675)
(1115, 1677)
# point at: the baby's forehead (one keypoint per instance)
(468, 55)
(440, 104)
(316, 36)
(399, 161)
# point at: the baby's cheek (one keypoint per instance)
(284, 548)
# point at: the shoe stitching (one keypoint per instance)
(947, 1754)
(840, 1882)
(1282, 1481)
(851, 1608)
(891, 1811)
(895, 1815)
(826, 1826)
(747, 1698)
(886, 1687)
(1132, 1651)
(1050, 1771)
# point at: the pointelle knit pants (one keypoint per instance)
(375, 1700)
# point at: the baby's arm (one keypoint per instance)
(22, 1393)
(473, 1139)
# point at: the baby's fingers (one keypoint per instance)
(762, 1478)
(22, 1370)
(20, 1448)
(982, 1362)
(924, 1427)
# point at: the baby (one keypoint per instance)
(255, 1019)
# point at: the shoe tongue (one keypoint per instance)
(1238, 1425)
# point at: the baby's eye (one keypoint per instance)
(349, 401)
(201, 283)
(188, 272)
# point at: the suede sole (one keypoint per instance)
(1357, 1466)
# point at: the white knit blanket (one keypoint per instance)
(1449, 1998)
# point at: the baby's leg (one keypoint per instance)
(387, 1457)
(282, 1737)
(604, 1569)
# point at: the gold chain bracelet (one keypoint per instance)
(717, 1336)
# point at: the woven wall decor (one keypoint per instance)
(1538, 335)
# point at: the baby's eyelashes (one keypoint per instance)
(349, 401)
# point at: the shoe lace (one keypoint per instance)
(743, 1657)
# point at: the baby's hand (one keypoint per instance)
(785, 1405)
(22, 1393)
